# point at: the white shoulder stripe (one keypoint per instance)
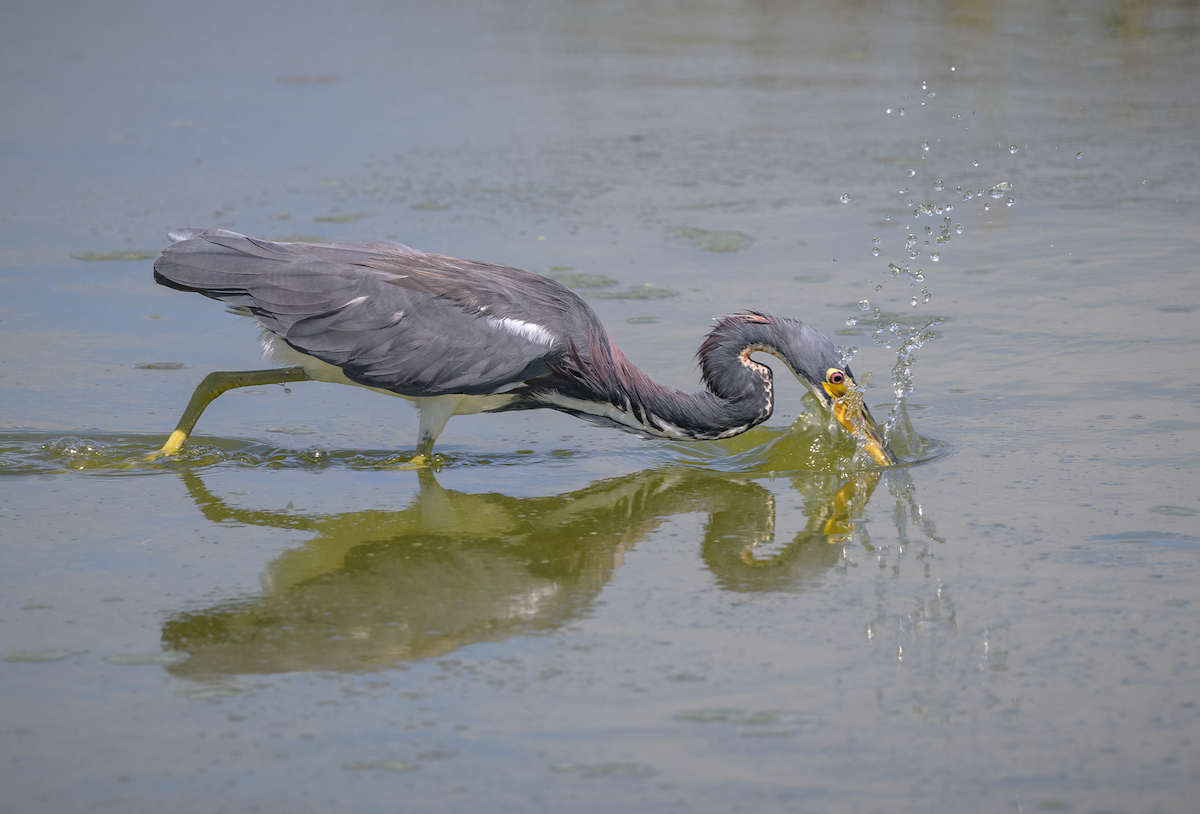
(527, 330)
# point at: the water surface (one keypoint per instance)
(559, 617)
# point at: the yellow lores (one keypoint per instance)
(851, 413)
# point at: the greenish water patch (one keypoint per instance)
(53, 654)
(618, 770)
(604, 287)
(579, 281)
(647, 292)
(108, 257)
(1174, 511)
(712, 240)
(380, 766)
(143, 659)
(347, 217)
(1167, 538)
(771, 723)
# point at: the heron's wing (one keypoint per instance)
(387, 315)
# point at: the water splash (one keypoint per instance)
(931, 234)
(910, 340)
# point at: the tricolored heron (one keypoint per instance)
(460, 337)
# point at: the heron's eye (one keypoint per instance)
(835, 376)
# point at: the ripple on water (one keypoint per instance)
(42, 454)
(806, 446)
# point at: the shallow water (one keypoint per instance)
(557, 617)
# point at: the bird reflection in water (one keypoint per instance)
(376, 588)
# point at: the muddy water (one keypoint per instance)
(559, 617)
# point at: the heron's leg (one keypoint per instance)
(215, 384)
(435, 412)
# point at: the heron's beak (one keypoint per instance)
(851, 413)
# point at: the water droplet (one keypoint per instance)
(1079, 155)
(939, 185)
(924, 85)
(875, 251)
(926, 294)
(1052, 244)
(901, 111)
(879, 288)
(930, 95)
(864, 305)
(887, 217)
(845, 197)
(935, 256)
(1012, 148)
(976, 163)
(958, 228)
(852, 321)
(925, 146)
(911, 173)
(876, 241)
(1009, 202)
(889, 110)
(986, 207)
(1005, 185)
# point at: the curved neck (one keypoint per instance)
(601, 385)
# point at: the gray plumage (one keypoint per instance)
(389, 316)
(425, 325)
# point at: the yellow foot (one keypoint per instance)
(172, 447)
(418, 461)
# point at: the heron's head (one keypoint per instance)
(818, 364)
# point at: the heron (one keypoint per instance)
(459, 337)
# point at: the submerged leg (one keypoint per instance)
(215, 384)
(435, 412)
